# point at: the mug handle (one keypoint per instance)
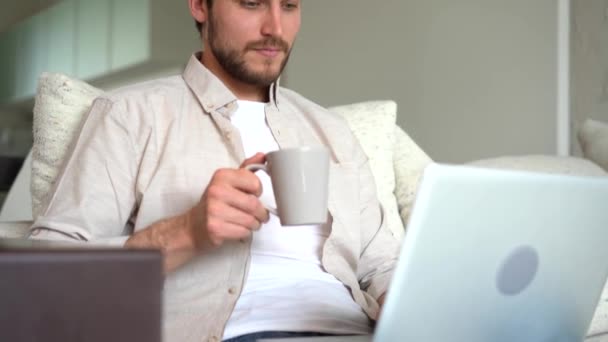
(263, 167)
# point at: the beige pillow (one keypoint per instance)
(544, 163)
(409, 162)
(593, 137)
(61, 104)
(373, 124)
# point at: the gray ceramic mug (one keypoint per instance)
(299, 180)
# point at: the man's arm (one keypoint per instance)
(229, 210)
(381, 299)
(172, 236)
(94, 195)
(380, 252)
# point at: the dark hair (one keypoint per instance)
(200, 26)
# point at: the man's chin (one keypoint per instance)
(263, 81)
(265, 71)
(264, 78)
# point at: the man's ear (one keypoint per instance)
(198, 10)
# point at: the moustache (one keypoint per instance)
(269, 43)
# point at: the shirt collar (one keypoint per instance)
(210, 91)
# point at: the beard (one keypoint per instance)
(233, 61)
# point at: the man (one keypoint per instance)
(160, 165)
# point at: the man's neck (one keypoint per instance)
(242, 91)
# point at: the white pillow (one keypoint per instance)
(409, 162)
(593, 137)
(544, 163)
(61, 104)
(373, 124)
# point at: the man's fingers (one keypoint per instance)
(226, 232)
(242, 201)
(256, 186)
(226, 213)
(234, 232)
(240, 179)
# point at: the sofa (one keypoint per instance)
(397, 162)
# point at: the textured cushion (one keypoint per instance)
(61, 104)
(544, 163)
(409, 162)
(373, 124)
(559, 165)
(593, 137)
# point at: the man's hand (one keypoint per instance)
(228, 210)
(381, 300)
(381, 304)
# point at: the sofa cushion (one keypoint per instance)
(61, 104)
(373, 124)
(558, 165)
(544, 163)
(409, 162)
(14, 230)
(593, 138)
(18, 203)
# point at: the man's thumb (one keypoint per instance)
(258, 158)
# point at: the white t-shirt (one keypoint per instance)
(286, 287)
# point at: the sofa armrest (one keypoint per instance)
(15, 229)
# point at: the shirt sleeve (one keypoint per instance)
(94, 195)
(381, 250)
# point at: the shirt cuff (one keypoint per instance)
(75, 236)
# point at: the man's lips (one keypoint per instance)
(268, 51)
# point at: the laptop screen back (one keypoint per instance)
(80, 295)
(501, 256)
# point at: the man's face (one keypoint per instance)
(252, 39)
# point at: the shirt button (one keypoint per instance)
(232, 290)
(35, 232)
(210, 105)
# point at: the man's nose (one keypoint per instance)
(273, 22)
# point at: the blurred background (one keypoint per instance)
(472, 78)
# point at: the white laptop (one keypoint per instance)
(502, 256)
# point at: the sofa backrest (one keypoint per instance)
(18, 203)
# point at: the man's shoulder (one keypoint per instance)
(161, 87)
(144, 104)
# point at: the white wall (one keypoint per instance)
(14, 11)
(589, 62)
(472, 78)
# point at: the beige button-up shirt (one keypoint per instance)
(148, 151)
